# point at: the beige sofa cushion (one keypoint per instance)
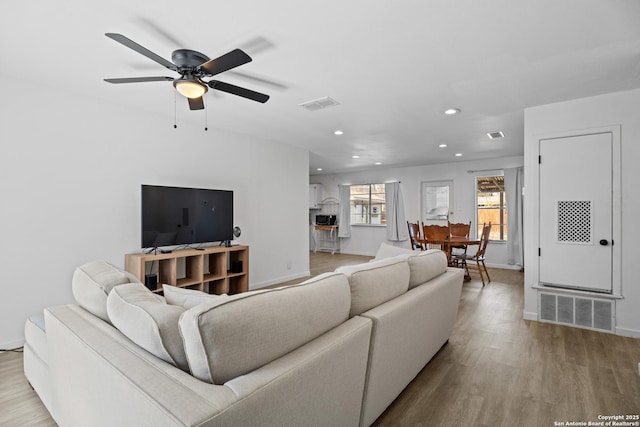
(424, 266)
(187, 298)
(388, 251)
(148, 321)
(92, 282)
(376, 282)
(234, 336)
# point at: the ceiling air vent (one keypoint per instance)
(496, 135)
(319, 104)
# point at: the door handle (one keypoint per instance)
(604, 242)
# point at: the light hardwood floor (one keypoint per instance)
(496, 370)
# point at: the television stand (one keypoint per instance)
(213, 269)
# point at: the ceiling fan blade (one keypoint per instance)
(260, 80)
(237, 90)
(141, 50)
(139, 79)
(256, 45)
(161, 31)
(230, 60)
(196, 103)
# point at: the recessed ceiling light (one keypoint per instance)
(338, 132)
(442, 145)
(451, 111)
(355, 157)
(458, 154)
(319, 169)
(378, 163)
(495, 135)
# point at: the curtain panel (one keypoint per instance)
(513, 185)
(396, 222)
(344, 211)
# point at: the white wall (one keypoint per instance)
(620, 109)
(70, 175)
(365, 240)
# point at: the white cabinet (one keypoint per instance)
(315, 196)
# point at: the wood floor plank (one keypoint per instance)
(496, 370)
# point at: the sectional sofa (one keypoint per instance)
(335, 350)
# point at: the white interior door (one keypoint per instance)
(576, 206)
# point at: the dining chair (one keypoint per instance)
(459, 229)
(435, 236)
(467, 261)
(414, 235)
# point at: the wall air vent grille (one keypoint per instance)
(574, 222)
(582, 312)
(319, 104)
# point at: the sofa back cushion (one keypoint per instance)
(92, 282)
(235, 335)
(375, 282)
(148, 321)
(425, 265)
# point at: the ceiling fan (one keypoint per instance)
(193, 67)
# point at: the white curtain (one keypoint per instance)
(344, 211)
(396, 222)
(513, 185)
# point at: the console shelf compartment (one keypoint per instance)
(214, 269)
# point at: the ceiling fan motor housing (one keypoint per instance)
(188, 58)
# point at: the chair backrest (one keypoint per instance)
(414, 234)
(435, 232)
(435, 235)
(414, 230)
(459, 229)
(484, 239)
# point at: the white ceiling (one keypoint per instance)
(393, 66)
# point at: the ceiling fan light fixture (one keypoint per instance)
(190, 88)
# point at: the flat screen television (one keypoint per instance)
(181, 216)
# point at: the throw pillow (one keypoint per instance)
(187, 298)
(92, 282)
(148, 321)
(388, 251)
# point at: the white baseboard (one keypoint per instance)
(626, 332)
(505, 266)
(527, 315)
(11, 345)
(358, 253)
(259, 285)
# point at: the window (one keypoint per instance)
(437, 200)
(368, 204)
(491, 206)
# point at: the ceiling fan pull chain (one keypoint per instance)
(175, 125)
(206, 115)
